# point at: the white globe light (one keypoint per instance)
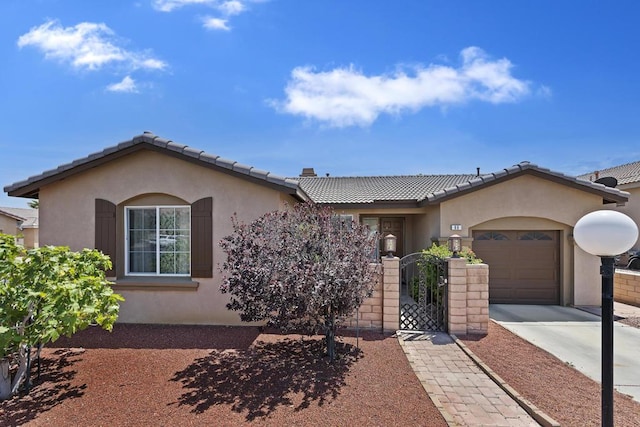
(605, 233)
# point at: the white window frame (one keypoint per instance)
(126, 240)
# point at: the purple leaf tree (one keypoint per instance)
(301, 268)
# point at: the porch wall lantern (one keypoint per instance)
(606, 234)
(455, 245)
(390, 242)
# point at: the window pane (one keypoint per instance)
(167, 263)
(182, 243)
(183, 219)
(149, 219)
(183, 263)
(167, 218)
(142, 262)
(372, 224)
(167, 241)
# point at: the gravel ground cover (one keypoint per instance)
(222, 376)
(207, 375)
(559, 390)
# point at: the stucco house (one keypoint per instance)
(628, 179)
(159, 209)
(20, 222)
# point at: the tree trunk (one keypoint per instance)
(22, 369)
(330, 336)
(5, 380)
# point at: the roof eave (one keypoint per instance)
(609, 195)
(29, 189)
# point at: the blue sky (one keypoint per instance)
(349, 87)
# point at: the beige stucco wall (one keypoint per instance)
(67, 218)
(30, 237)
(426, 227)
(529, 203)
(9, 225)
(632, 207)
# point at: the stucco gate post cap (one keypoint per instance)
(605, 233)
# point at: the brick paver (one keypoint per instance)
(465, 395)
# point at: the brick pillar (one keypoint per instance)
(457, 296)
(477, 299)
(390, 294)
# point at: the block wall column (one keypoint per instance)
(457, 296)
(477, 298)
(391, 294)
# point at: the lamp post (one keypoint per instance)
(606, 233)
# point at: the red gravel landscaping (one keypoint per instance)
(223, 376)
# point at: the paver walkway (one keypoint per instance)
(465, 395)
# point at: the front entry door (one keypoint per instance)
(393, 226)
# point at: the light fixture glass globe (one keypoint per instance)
(605, 233)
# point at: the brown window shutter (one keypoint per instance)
(202, 238)
(106, 231)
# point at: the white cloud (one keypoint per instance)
(228, 7)
(86, 45)
(232, 7)
(170, 5)
(127, 85)
(346, 97)
(225, 8)
(212, 23)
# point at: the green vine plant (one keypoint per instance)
(429, 267)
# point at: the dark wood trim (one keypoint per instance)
(105, 231)
(202, 238)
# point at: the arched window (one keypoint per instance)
(492, 235)
(534, 235)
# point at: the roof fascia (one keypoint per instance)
(12, 216)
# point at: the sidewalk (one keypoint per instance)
(463, 393)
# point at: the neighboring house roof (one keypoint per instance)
(31, 186)
(29, 217)
(421, 190)
(625, 174)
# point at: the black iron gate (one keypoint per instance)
(423, 293)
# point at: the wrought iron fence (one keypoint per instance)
(423, 292)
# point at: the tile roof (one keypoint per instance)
(431, 189)
(625, 174)
(29, 217)
(369, 189)
(410, 190)
(30, 186)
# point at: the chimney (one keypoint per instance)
(597, 174)
(477, 171)
(308, 172)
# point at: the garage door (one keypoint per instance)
(524, 266)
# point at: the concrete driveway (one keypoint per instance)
(573, 336)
